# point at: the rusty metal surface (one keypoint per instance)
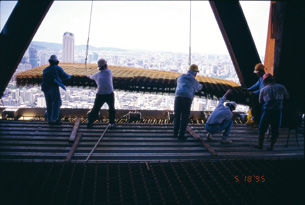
(272, 27)
(191, 182)
(137, 79)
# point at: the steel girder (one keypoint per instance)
(17, 34)
(237, 36)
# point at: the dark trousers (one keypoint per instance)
(273, 118)
(256, 108)
(182, 110)
(53, 102)
(98, 103)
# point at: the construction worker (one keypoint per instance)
(51, 80)
(259, 69)
(220, 119)
(104, 93)
(185, 90)
(272, 96)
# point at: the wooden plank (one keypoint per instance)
(74, 131)
(73, 148)
(196, 136)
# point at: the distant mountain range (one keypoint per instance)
(57, 46)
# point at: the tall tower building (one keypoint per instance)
(33, 57)
(68, 47)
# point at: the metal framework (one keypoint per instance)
(17, 35)
(237, 36)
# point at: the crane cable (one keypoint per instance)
(190, 35)
(87, 47)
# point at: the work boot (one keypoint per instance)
(260, 141)
(89, 124)
(182, 137)
(272, 143)
(112, 125)
(226, 141)
(209, 136)
(57, 122)
(175, 134)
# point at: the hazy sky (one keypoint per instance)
(147, 25)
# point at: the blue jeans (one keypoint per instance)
(182, 110)
(53, 102)
(226, 125)
(273, 118)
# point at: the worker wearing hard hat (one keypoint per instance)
(220, 119)
(104, 93)
(185, 91)
(271, 96)
(259, 69)
(52, 78)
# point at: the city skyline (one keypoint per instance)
(219, 66)
(148, 25)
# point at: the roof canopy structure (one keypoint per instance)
(136, 79)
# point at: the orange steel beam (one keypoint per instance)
(269, 54)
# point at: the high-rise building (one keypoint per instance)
(33, 57)
(68, 47)
(95, 56)
(44, 59)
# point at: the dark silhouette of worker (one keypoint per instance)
(51, 80)
(256, 111)
(185, 90)
(271, 96)
(104, 94)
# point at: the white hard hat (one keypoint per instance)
(234, 104)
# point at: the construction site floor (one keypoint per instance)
(37, 141)
(145, 164)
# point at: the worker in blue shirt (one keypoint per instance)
(221, 119)
(259, 69)
(185, 91)
(51, 80)
(271, 96)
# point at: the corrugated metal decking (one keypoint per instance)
(38, 141)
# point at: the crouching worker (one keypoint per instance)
(220, 119)
(272, 95)
(104, 93)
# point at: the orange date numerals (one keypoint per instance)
(250, 178)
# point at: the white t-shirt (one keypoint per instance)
(104, 82)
